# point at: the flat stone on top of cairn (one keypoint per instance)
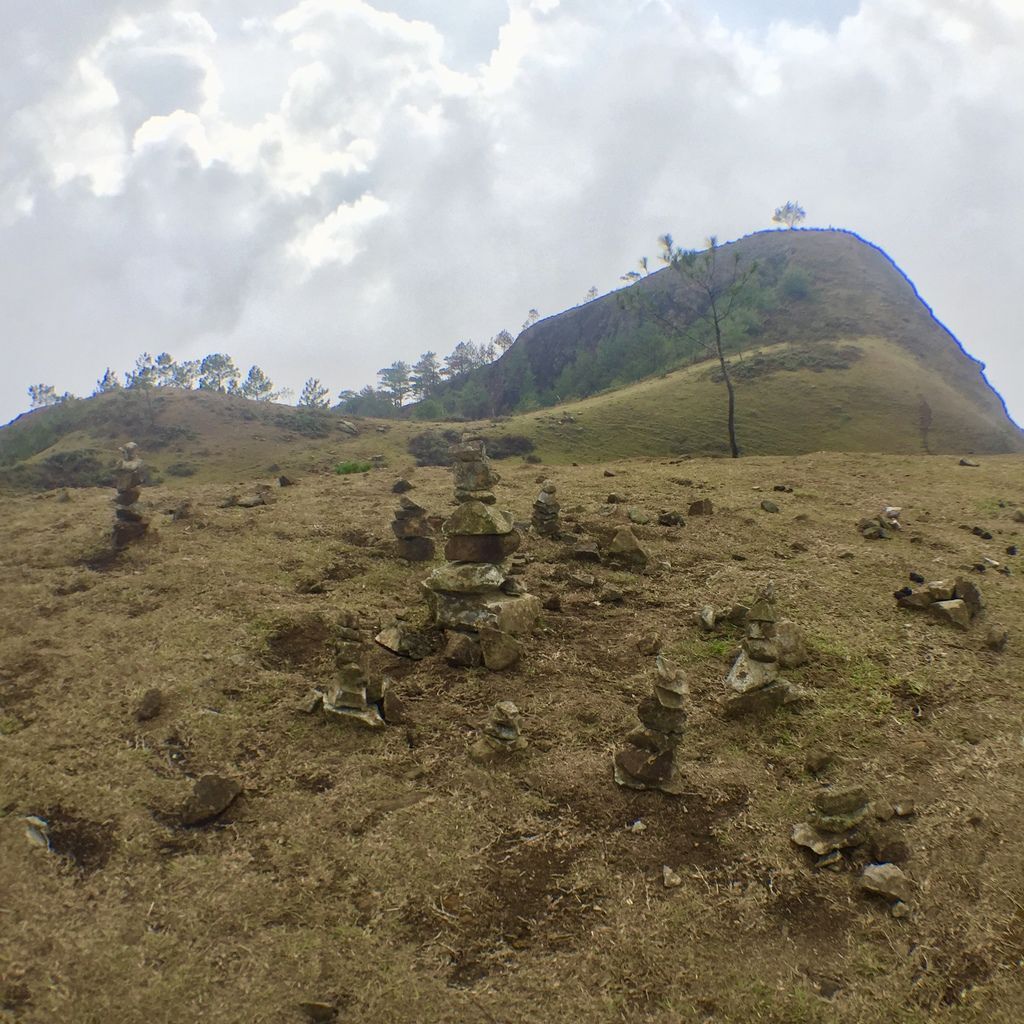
(129, 524)
(545, 512)
(647, 757)
(415, 535)
(473, 590)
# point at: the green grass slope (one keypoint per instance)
(874, 405)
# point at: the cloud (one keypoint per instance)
(324, 187)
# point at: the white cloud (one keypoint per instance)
(323, 187)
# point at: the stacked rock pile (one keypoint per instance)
(354, 695)
(754, 681)
(502, 734)
(647, 758)
(474, 590)
(129, 522)
(545, 512)
(834, 823)
(955, 601)
(415, 536)
(882, 527)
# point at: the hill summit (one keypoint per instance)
(830, 332)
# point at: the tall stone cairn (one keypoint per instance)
(473, 590)
(754, 683)
(353, 695)
(545, 512)
(415, 536)
(129, 522)
(647, 757)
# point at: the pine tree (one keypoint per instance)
(314, 395)
(108, 382)
(425, 375)
(257, 386)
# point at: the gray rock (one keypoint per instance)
(704, 507)
(954, 612)
(769, 506)
(789, 645)
(511, 614)
(996, 638)
(150, 705)
(971, 464)
(211, 796)
(463, 650)
(804, 834)
(466, 578)
(888, 881)
(482, 548)
(626, 549)
(637, 516)
(586, 551)
(969, 593)
(499, 649)
(474, 518)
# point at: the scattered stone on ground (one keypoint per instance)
(553, 603)
(150, 705)
(638, 517)
(129, 522)
(669, 878)
(834, 822)
(754, 682)
(703, 507)
(887, 881)
(500, 650)
(646, 760)
(769, 506)
(545, 519)
(970, 463)
(671, 519)
(957, 602)
(285, 481)
(996, 638)
(407, 642)
(319, 1013)
(882, 527)
(586, 551)
(463, 650)
(649, 644)
(1018, 516)
(211, 796)
(627, 551)
(817, 760)
(413, 532)
(502, 735)
(615, 499)
(401, 486)
(904, 808)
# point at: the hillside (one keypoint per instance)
(383, 876)
(813, 290)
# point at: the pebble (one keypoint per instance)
(769, 506)
(669, 878)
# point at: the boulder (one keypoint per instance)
(888, 881)
(626, 549)
(211, 796)
(954, 612)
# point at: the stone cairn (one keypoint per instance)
(354, 695)
(129, 522)
(834, 824)
(957, 602)
(415, 536)
(545, 512)
(647, 757)
(473, 592)
(502, 735)
(754, 682)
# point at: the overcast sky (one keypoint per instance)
(322, 187)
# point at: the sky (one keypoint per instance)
(322, 187)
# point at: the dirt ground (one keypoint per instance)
(389, 878)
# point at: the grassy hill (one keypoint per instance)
(814, 289)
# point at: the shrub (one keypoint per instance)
(181, 469)
(504, 446)
(431, 448)
(795, 284)
(344, 468)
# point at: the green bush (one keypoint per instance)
(431, 448)
(181, 469)
(344, 468)
(795, 285)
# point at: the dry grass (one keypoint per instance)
(388, 874)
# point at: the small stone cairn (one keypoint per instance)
(647, 757)
(502, 735)
(129, 522)
(957, 602)
(415, 536)
(473, 591)
(835, 822)
(545, 512)
(754, 682)
(354, 695)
